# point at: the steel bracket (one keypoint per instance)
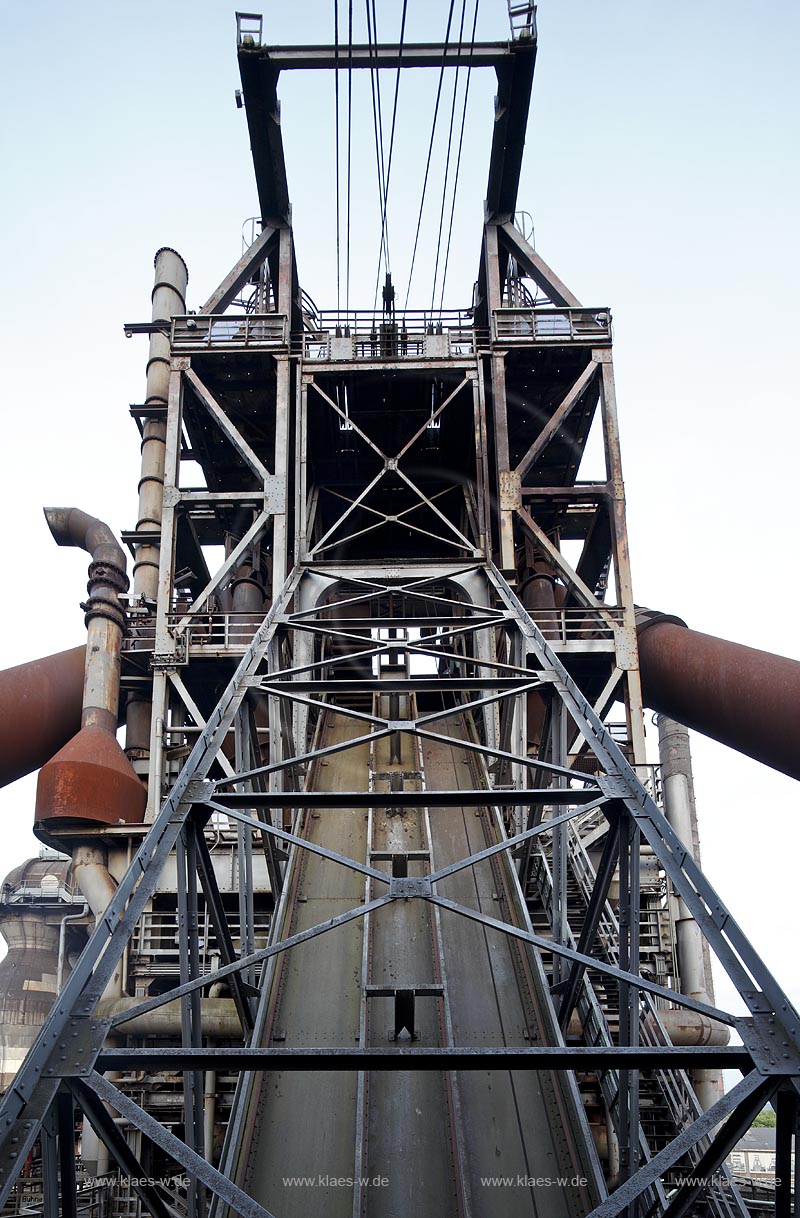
(613, 785)
(402, 886)
(199, 791)
(772, 1049)
(625, 648)
(76, 1053)
(178, 657)
(510, 490)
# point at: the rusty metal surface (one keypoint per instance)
(89, 781)
(747, 699)
(40, 710)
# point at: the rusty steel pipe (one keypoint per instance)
(168, 299)
(90, 780)
(745, 698)
(538, 595)
(40, 710)
(105, 617)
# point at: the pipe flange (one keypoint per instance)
(108, 575)
(99, 606)
(645, 618)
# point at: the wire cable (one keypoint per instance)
(391, 141)
(377, 124)
(349, 142)
(430, 149)
(447, 158)
(458, 158)
(336, 141)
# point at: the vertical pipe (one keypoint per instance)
(209, 1113)
(65, 1114)
(678, 786)
(169, 300)
(50, 1164)
(558, 755)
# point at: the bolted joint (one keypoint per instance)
(106, 582)
(109, 608)
(107, 573)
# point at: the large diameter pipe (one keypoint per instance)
(694, 971)
(168, 300)
(40, 710)
(219, 1017)
(538, 595)
(745, 698)
(105, 617)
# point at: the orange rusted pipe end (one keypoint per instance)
(90, 781)
(745, 698)
(40, 709)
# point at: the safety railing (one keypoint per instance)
(230, 332)
(249, 29)
(368, 335)
(577, 625)
(675, 1090)
(156, 938)
(205, 631)
(552, 325)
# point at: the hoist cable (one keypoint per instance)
(391, 140)
(336, 140)
(447, 158)
(349, 141)
(458, 158)
(377, 125)
(430, 148)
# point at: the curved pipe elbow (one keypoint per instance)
(72, 527)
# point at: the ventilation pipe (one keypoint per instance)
(169, 300)
(538, 595)
(693, 966)
(90, 780)
(40, 710)
(745, 698)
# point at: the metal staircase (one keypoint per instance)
(667, 1102)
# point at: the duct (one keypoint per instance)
(62, 942)
(219, 1017)
(90, 780)
(742, 697)
(693, 1028)
(40, 710)
(248, 603)
(538, 595)
(105, 617)
(90, 870)
(687, 1027)
(168, 300)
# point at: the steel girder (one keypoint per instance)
(70, 1049)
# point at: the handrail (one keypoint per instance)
(229, 331)
(551, 324)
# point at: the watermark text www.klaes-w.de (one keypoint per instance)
(160, 1181)
(523, 1181)
(326, 1181)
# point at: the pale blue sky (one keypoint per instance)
(661, 172)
